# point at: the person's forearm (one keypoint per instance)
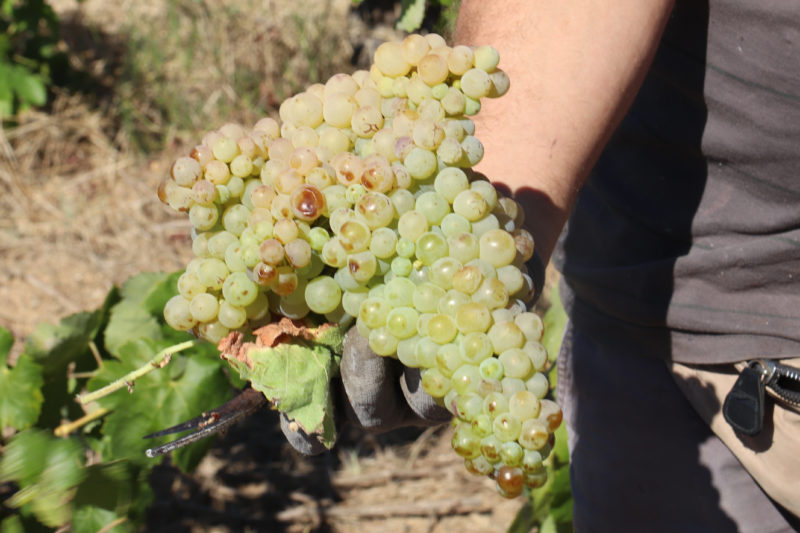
(575, 68)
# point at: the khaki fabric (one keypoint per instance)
(771, 457)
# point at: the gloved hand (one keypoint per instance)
(379, 393)
(376, 393)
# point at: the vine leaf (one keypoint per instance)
(555, 320)
(20, 388)
(105, 495)
(551, 504)
(12, 524)
(30, 87)
(59, 347)
(92, 519)
(411, 15)
(21, 398)
(139, 313)
(52, 485)
(6, 342)
(151, 290)
(292, 364)
(47, 471)
(189, 384)
(54, 346)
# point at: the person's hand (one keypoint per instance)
(380, 394)
(375, 393)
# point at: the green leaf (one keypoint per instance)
(19, 461)
(110, 492)
(235, 379)
(555, 320)
(12, 524)
(331, 336)
(561, 450)
(187, 386)
(561, 492)
(295, 378)
(412, 13)
(29, 87)
(55, 346)
(551, 503)
(47, 471)
(20, 393)
(92, 519)
(151, 290)
(106, 486)
(128, 322)
(139, 314)
(548, 526)
(6, 342)
(6, 94)
(524, 522)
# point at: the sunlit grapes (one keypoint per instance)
(359, 205)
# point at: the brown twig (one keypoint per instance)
(111, 525)
(96, 354)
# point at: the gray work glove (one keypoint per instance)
(380, 394)
(376, 393)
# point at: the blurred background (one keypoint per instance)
(97, 98)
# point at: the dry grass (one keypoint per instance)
(420, 488)
(185, 66)
(409, 483)
(79, 216)
(78, 204)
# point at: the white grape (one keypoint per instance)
(323, 294)
(177, 313)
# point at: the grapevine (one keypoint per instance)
(360, 208)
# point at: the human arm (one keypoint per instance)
(575, 68)
(571, 83)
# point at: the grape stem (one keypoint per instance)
(161, 360)
(114, 523)
(65, 429)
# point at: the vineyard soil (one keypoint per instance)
(405, 481)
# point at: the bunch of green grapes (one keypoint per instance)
(360, 205)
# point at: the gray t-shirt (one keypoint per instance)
(689, 226)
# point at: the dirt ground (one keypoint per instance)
(79, 214)
(405, 481)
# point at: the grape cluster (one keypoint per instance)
(360, 204)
